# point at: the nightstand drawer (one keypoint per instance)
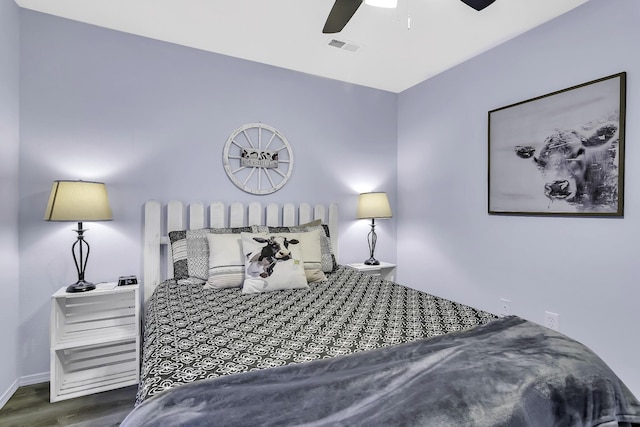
(93, 319)
(78, 371)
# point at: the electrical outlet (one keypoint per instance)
(552, 320)
(505, 307)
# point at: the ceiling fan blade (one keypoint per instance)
(340, 14)
(478, 4)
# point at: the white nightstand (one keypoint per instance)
(95, 340)
(385, 270)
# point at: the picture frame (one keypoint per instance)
(560, 154)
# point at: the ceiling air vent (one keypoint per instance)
(344, 45)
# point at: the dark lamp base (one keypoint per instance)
(372, 261)
(81, 286)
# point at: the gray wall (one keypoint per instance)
(150, 119)
(9, 137)
(583, 269)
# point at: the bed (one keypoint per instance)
(345, 349)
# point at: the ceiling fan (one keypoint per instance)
(343, 10)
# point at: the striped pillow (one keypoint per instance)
(190, 251)
(226, 261)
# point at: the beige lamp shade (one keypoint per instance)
(78, 201)
(373, 205)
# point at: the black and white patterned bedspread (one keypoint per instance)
(192, 333)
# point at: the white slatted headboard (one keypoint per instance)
(157, 250)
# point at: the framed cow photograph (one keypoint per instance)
(560, 154)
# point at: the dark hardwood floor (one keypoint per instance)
(30, 406)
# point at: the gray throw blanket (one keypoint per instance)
(509, 372)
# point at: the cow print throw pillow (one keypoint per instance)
(272, 262)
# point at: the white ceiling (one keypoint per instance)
(288, 33)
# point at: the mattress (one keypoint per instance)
(193, 333)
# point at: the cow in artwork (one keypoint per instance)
(275, 249)
(579, 167)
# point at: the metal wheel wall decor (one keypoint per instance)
(258, 158)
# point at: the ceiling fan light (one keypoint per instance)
(382, 3)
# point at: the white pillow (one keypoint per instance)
(272, 262)
(226, 261)
(311, 253)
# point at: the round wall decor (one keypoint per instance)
(258, 158)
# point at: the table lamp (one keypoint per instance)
(373, 206)
(78, 201)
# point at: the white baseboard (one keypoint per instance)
(22, 381)
(7, 394)
(34, 379)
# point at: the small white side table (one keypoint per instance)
(385, 270)
(95, 340)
